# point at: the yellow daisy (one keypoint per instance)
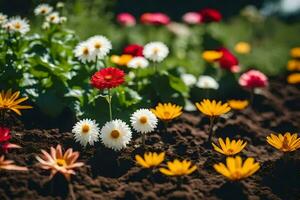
(167, 111)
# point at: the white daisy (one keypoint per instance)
(62, 19)
(188, 79)
(53, 18)
(17, 24)
(143, 121)
(3, 18)
(138, 62)
(115, 134)
(156, 51)
(84, 52)
(86, 131)
(43, 9)
(207, 82)
(101, 45)
(45, 25)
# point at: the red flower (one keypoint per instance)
(253, 79)
(210, 15)
(4, 140)
(134, 49)
(228, 61)
(126, 19)
(155, 19)
(108, 78)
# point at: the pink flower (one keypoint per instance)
(126, 19)
(253, 79)
(4, 140)
(155, 19)
(192, 18)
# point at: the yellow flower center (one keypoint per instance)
(230, 151)
(167, 114)
(61, 162)
(85, 128)
(43, 11)
(108, 77)
(143, 120)
(155, 50)
(17, 25)
(285, 143)
(85, 51)
(115, 134)
(98, 46)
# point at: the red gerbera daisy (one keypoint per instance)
(134, 50)
(107, 78)
(4, 140)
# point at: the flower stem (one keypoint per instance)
(109, 97)
(96, 62)
(211, 130)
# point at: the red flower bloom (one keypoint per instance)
(4, 140)
(253, 79)
(210, 15)
(134, 49)
(126, 19)
(155, 19)
(106, 78)
(228, 61)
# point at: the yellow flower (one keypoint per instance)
(211, 56)
(122, 60)
(242, 47)
(213, 108)
(177, 168)
(293, 65)
(293, 78)
(9, 101)
(228, 147)
(238, 104)
(167, 111)
(235, 169)
(285, 143)
(295, 52)
(150, 159)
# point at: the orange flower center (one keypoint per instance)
(115, 134)
(98, 46)
(143, 120)
(230, 151)
(167, 114)
(285, 143)
(52, 18)
(17, 25)
(43, 11)
(108, 77)
(85, 128)
(61, 162)
(85, 51)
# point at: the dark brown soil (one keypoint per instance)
(110, 175)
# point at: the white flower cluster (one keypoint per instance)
(204, 81)
(15, 24)
(155, 51)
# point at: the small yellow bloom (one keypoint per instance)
(122, 60)
(242, 47)
(213, 108)
(235, 169)
(238, 104)
(293, 65)
(211, 56)
(167, 111)
(293, 78)
(295, 52)
(285, 143)
(10, 101)
(228, 147)
(150, 159)
(177, 168)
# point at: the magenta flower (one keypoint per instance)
(253, 79)
(126, 19)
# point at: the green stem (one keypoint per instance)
(211, 130)
(109, 104)
(96, 62)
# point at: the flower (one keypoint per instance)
(116, 134)
(84, 51)
(295, 52)
(178, 168)
(235, 169)
(228, 147)
(294, 78)
(150, 159)
(53, 18)
(9, 101)
(207, 82)
(107, 78)
(122, 60)
(228, 61)
(57, 161)
(192, 18)
(155, 19)
(211, 55)
(86, 131)
(210, 15)
(9, 165)
(293, 65)
(101, 46)
(138, 62)
(253, 79)
(3, 18)
(285, 143)
(156, 51)
(238, 104)
(134, 49)
(43, 9)
(167, 111)
(242, 47)
(126, 19)
(17, 25)
(213, 108)
(188, 79)
(4, 140)
(143, 121)
(60, 4)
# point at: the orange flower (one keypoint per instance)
(9, 165)
(294, 78)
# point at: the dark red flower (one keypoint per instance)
(4, 140)
(134, 49)
(106, 78)
(228, 61)
(210, 15)
(155, 19)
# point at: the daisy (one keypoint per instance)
(43, 9)
(115, 134)
(3, 18)
(101, 46)
(156, 51)
(207, 82)
(143, 121)
(17, 24)
(86, 131)
(107, 78)
(188, 79)
(84, 52)
(53, 18)
(138, 62)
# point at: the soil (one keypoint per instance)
(111, 175)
